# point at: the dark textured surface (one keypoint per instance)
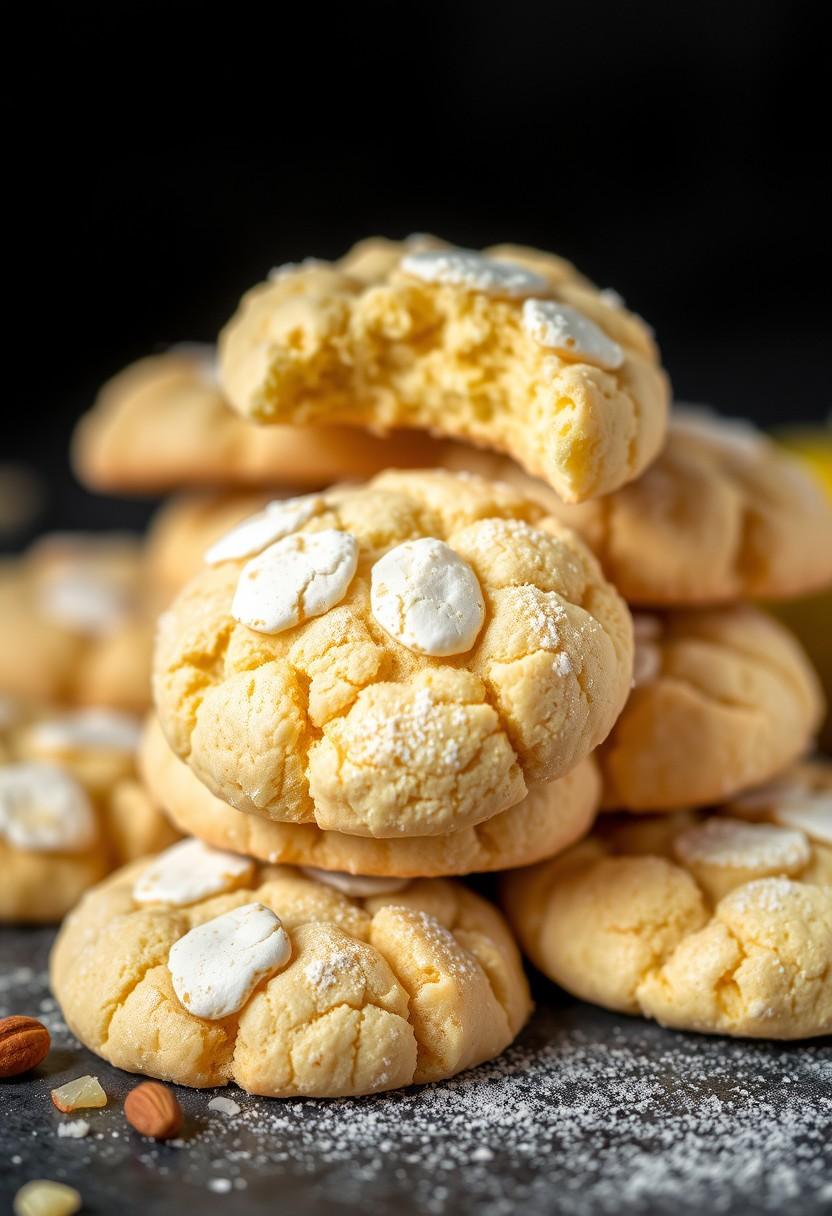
(588, 1113)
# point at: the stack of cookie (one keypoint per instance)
(366, 691)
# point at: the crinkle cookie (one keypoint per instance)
(723, 514)
(397, 659)
(510, 349)
(723, 700)
(163, 424)
(203, 968)
(549, 819)
(71, 808)
(75, 629)
(720, 923)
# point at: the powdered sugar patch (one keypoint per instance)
(587, 1114)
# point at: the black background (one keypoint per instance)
(164, 156)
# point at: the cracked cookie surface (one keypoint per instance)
(379, 992)
(722, 514)
(719, 923)
(724, 699)
(335, 722)
(71, 809)
(76, 629)
(512, 350)
(549, 819)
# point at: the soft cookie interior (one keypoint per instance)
(461, 353)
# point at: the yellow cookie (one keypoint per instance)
(510, 349)
(719, 923)
(186, 526)
(549, 819)
(75, 629)
(397, 659)
(723, 700)
(71, 808)
(163, 424)
(723, 514)
(203, 969)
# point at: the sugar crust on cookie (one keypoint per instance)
(336, 722)
(379, 992)
(689, 920)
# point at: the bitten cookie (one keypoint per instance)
(163, 424)
(723, 514)
(723, 700)
(549, 819)
(397, 659)
(510, 349)
(71, 808)
(720, 923)
(74, 627)
(203, 968)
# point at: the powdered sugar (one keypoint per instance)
(321, 973)
(572, 335)
(589, 1114)
(415, 736)
(540, 611)
(472, 271)
(770, 895)
(75, 1129)
(721, 841)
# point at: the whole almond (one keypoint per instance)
(153, 1110)
(24, 1043)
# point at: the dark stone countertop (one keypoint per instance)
(588, 1113)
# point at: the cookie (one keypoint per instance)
(510, 349)
(186, 526)
(723, 514)
(397, 659)
(549, 819)
(723, 700)
(75, 629)
(163, 424)
(714, 922)
(71, 808)
(203, 968)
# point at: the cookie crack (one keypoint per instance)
(124, 995)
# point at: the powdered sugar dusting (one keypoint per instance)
(722, 841)
(769, 895)
(472, 271)
(588, 1113)
(540, 611)
(414, 736)
(562, 665)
